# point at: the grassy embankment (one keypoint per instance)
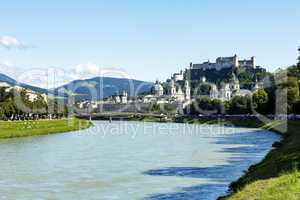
(284, 187)
(11, 129)
(277, 176)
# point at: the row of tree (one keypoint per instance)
(16, 104)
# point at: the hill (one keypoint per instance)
(102, 87)
(246, 76)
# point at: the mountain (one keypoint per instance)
(102, 87)
(89, 89)
(12, 82)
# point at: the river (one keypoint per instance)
(130, 161)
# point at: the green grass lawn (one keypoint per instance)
(285, 187)
(11, 129)
(265, 180)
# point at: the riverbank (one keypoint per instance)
(276, 176)
(11, 129)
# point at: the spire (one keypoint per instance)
(233, 77)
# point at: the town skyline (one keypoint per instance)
(138, 37)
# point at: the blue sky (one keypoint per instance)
(148, 39)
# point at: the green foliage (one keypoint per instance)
(260, 100)
(246, 79)
(296, 107)
(204, 89)
(241, 105)
(154, 107)
(42, 127)
(204, 105)
(168, 108)
(14, 102)
(292, 91)
(285, 187)
(294, 71)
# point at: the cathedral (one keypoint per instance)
(175, 90)
(179, 93)
(229, 90)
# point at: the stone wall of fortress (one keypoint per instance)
(226, 62)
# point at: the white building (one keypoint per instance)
(179, 90)
(178, 76)
(229, 90)
(158, 89)
(119, 99)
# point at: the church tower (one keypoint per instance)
(173, 88)
(235, 83)
(187, 90)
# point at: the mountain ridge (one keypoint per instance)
(103, 86)
(6, 79)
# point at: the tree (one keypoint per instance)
(240, 105)
(260, 100)
(204, 89)
(296, 107)
(66, 111)
(292, 92)
(204, 105)
(219, 106)
(168, 108)
(39, 104)
(155, 107)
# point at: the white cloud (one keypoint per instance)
(53, 77)
(8, 68)
(11, 42)
(90, 70)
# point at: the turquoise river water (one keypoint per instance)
(130, 161)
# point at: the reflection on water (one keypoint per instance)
(130, 160)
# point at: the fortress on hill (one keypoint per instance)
(222, 64)
(226, 62)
